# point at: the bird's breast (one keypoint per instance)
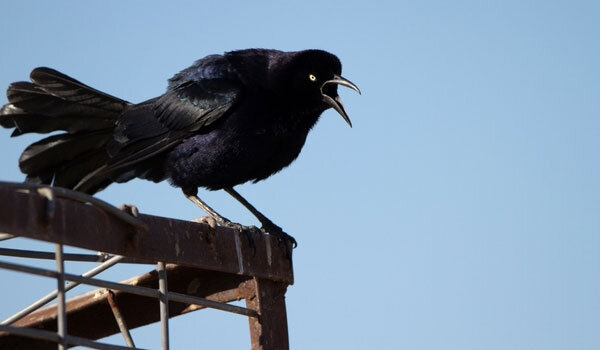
(229, 156)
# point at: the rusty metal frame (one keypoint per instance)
(53, 337)
(237, 265)
(50, 296)
(120, 320)
(60, 220)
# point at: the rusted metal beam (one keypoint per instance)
(66, 221)
(269, 330)
(50, 296)
(120, 320)
(55, 338)
(90, 315)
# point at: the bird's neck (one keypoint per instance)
(285, 116)
(297, 120)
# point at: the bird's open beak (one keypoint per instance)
(335, 101)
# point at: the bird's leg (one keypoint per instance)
(223, 221)
(267, 225)
(191, 194)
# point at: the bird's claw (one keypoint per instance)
(209, 220)
(130, 209)
(240, 227)
(274, 230)
(268, 228)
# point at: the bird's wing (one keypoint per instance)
(174, 116)
(195, 104)
(157, 125)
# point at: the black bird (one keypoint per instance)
(225, 120)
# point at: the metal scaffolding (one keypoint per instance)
(196, 267)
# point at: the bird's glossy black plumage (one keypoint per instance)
(223, 121)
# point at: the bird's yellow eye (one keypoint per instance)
(312, 77)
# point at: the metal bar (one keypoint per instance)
(48, 297)
(186, 299)
(28, 269)
(34, 254)
(147, 292)
(61, 299)
(120, 320)
(83, 198)
(53, 337)
(269, 330)
(164, 304)
(182, 242)
(91, 281)
(5, 236)
(31, 333)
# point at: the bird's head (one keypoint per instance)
(311, 77)
(307, 80)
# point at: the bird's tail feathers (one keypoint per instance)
(52, 102)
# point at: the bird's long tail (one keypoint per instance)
(52, 102)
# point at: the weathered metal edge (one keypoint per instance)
(30, 214)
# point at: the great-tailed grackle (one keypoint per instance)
(223, 121)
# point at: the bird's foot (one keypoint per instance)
(274, 230)
(130, 209)
(240, 227)
(209, 220)
(248, 230)
(212, 222)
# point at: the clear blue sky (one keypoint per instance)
(462, 211)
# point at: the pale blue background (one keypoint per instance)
(460, 212)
